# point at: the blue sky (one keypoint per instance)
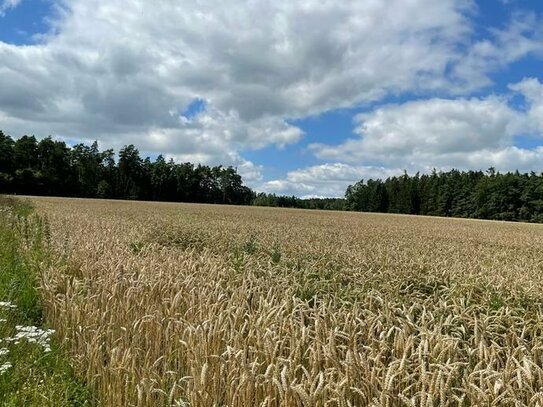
(22, 22)
(303, 99)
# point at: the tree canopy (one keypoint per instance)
(50, 167)
(464, 194)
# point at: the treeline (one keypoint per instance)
(49, 167)
(284, 201)
(471, 194)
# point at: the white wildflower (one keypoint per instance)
(4, 367)
(7, 305)
(4, 351)
(33, 334)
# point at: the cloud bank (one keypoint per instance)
(125, 74)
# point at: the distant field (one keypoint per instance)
(198, 305)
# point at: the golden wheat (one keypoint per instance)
(196, 305)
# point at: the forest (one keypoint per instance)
(50, 167)
(464, 194)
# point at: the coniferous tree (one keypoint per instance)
(471, 194)
(50, 167)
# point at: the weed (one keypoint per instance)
(275, 254)
(250, 246)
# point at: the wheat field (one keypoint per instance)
(163, 304)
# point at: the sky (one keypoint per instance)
(302, 97)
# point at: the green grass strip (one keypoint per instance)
(33, 370)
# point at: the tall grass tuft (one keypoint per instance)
(33, 370)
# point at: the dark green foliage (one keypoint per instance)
(471, 194)
(251, 245)
(283, 201)
(50, 167)
(136, 247)
(275, 254)
(496, 302)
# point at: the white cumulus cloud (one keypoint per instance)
(326, 180)
(124, 72)
(6, 5)
(445, 133)
(111, 69)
